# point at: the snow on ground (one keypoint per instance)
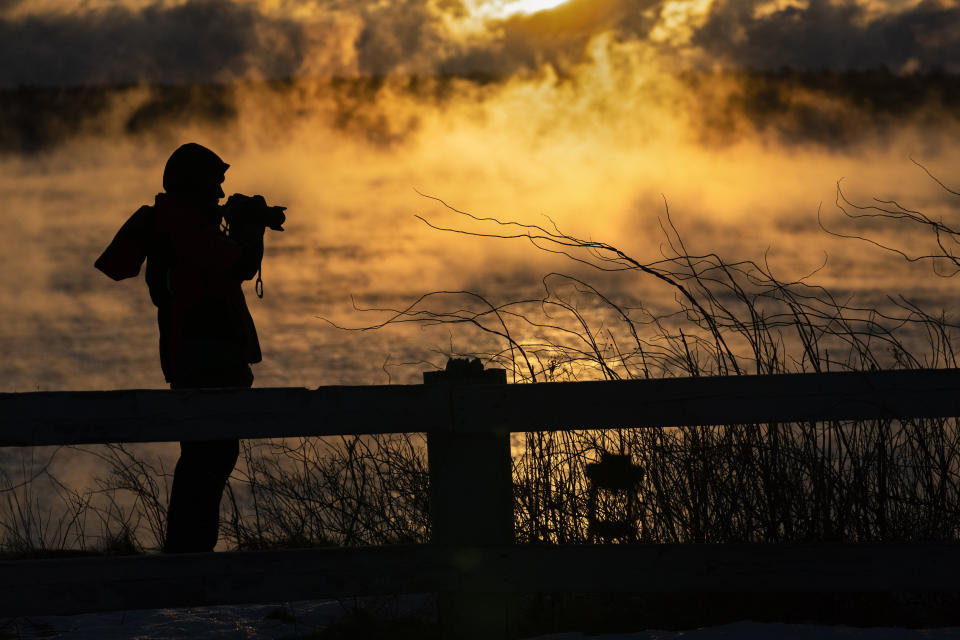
(247, 622)
(747, 630)
(298, 619)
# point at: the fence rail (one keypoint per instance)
(82, 585)
(468, 421)
(88, 417)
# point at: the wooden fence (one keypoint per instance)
(471, 563)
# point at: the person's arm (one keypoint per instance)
(247, 217)
(126, 253)
(249, 236)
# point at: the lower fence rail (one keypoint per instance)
(84, 585)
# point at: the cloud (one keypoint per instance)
(825, 35)
(187, 43)
(396, 65)
(221, 40)
(8, 5)
(405, 36)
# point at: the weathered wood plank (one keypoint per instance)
(68, 586)
(75, 417)
(723, 568)
(84, 417)
(471, 504)
(926, 393)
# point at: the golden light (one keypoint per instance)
(680, 18)
(502, 9)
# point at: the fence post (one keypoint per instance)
(471, 505)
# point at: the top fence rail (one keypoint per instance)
(88, 417)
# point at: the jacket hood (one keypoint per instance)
(192, 168)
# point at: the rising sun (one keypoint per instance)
(507, 8)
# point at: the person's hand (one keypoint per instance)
(274, 217)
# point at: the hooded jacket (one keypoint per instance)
(194, 272)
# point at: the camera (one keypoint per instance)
(242, 209)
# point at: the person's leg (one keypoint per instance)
(193, 517)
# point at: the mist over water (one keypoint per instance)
(601, 154)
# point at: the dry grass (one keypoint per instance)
(852, 480)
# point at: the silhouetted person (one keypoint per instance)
(195, 267)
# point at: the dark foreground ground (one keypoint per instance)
(558, 617)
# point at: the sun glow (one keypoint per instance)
(501, 9)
